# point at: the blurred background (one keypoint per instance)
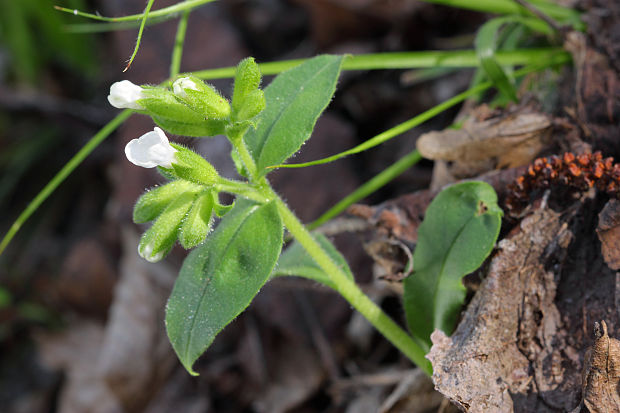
(81, 315)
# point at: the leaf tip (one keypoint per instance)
(188, 364)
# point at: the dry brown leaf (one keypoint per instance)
(608, 231)
(414, 393)
(601, 373)
(515, 138)
(296, 374)
(506, 140)
(136, 356)
(75, 351)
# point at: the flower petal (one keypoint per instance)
(150, 150)
(179, 86)
(124, 95)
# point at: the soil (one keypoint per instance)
(84, 329)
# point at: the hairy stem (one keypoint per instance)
(352, 293)
(346, 287)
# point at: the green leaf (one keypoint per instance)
(297, 262)
(198, 221)
(220, 278)
(220, 209)
(486, 46)
(295, 99)
(153, 202)
(459, 231)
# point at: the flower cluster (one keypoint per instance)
(183, 209)
(579, 172)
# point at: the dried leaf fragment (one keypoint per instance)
(514, 139)
(608, 231)
(601, 373)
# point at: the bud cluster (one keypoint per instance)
(181, 210)
(579, 172)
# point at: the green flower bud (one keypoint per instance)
(178, 116)
(158, 240)
(198, 221)
(153, 202)
(247, 81)
(201, 97)
(253, 104)
(192, 167)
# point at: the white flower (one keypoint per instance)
(124, 95)
(150, 150)
(147, 253)
(179, 86)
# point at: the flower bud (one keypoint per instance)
(179, 86)
(150, 150)
(125, 95)
(201, 97)
(182, 116)
(247, 80)
(192, 167)
(153, 202)
(158, 240)
(253, 104)
(198, 221)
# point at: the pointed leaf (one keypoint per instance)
(459, 231)
(297, 262)
(294, 101)
(220, 278)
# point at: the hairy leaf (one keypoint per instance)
(220, 278)
(294, 101)
(459, 231)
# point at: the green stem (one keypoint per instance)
(369, 187)
(346, 287)
(553, 10)
(166, 11)
(241, 188)
(352, 293)
(246, 156)
(405, 60)
(396, 130)
(177, 51)
(135, 50)
(62, 175)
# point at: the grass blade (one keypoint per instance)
(62, 175)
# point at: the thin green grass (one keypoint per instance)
(163, 12)
(62, 175)
(404, 60)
